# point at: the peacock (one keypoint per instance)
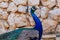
(13, 35)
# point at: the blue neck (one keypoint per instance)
(38, 24)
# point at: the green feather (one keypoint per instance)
(13, 35)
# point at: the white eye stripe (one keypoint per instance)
(33, 8)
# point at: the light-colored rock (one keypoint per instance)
(49, 25)
(33, 2)
(12, 7)
(41, 19)
(49, 3)
(20, 20)
(16, 20)
(44, 12)
(4, 4)
(22, 8)
(6, 0)
(32, 23)
(58, 29)
(1, 0)
(3, 26)
(3, 14)
(58, 3)
(55, 14)
(11, 21)
(22, 2)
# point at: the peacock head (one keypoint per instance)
(33, 9)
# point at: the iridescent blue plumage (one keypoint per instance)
(38, 24)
